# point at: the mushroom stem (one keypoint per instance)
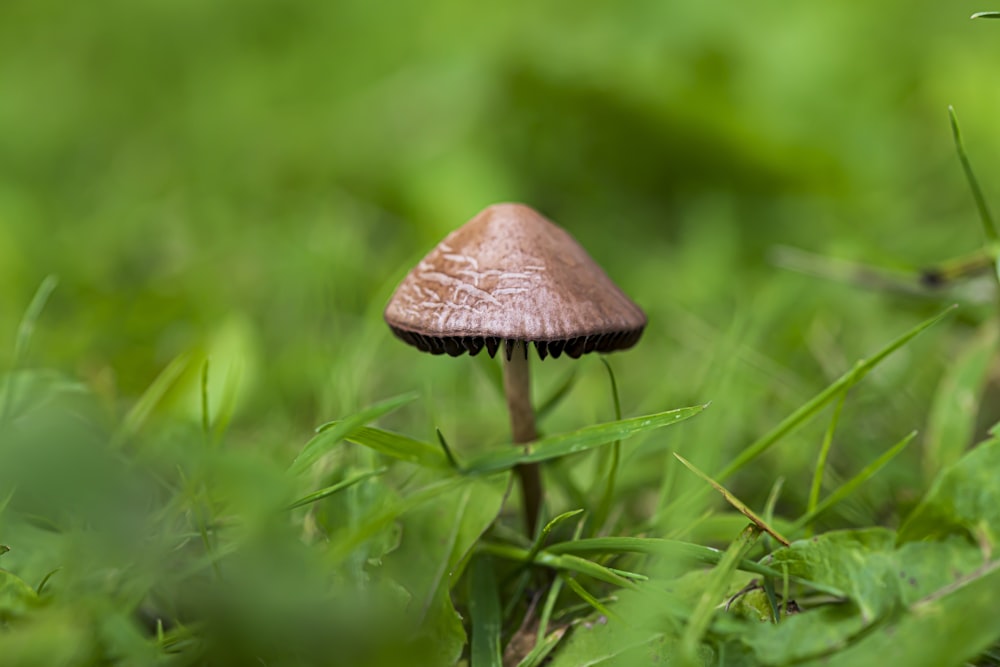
(517, 389)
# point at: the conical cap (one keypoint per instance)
(509, 274)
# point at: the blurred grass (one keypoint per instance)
(245, 182)
(257, 176)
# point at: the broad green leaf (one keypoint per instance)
(438, 535)
(878, 578)
(331, 433)
(965, 498)
(950, 626)
(851, 561)
(439, 640)
(400, 447)
(952, 420)
(484, 608)
(624, 640)
(58, 637)
(646, 628)
(574, 442)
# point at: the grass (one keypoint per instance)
(213, 452)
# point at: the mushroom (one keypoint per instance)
(510, 278)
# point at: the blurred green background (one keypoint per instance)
(249, 180)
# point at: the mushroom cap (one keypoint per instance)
(509, 275)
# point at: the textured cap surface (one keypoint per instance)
(509, 274)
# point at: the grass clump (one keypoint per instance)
(213, 453)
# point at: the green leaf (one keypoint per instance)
(548, 528)
(847, 560)
(439, 535)
(952, 420)
(339, 486)
(439, 640)
(331, 433)
(878, 578)
(574, 442)
(401, 447)
(950, 626)
(965, 499)
(713, 593)
(611, 462)
(484, 608)
(564, 562)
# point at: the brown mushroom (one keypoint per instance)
(511, 277)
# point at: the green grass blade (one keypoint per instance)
(952, 421)
(574, 442)
(227, 404)
(738, 504)
(562, 563)
(25, 331)
(824, 452)
(331, 433)
(543, 647)
(851, 485)
(674, 549)
(446, 449)
(484, 608)
(339, 486)
(807, 411)
(708, 602)
(985, 15)
(985, 217)
(400, 447)
(206, 417)
(136, 418)
(611, 464)
(547, 530)
(557, 395)
(585, 595)
(491, 369)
